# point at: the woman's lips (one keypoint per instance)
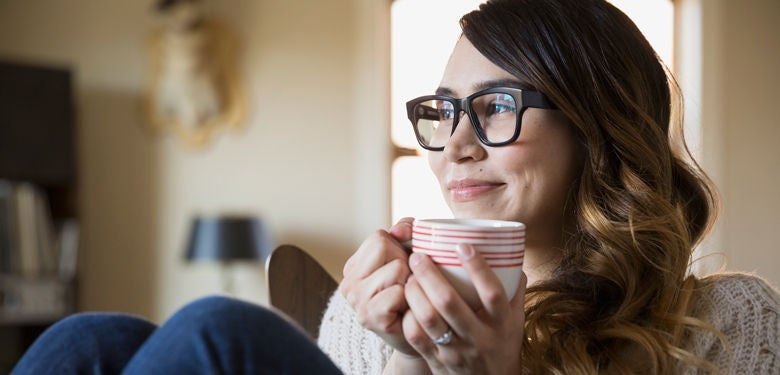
(464, 190)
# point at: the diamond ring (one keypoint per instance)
(444, 339)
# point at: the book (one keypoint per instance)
(47, 252)
(68, 245)
(30, 245)
(27, 246)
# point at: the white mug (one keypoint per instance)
(501, 243)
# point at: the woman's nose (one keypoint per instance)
(464, 143)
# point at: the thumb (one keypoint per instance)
(402, 231)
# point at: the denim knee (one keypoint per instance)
(92, 322)
(104, 329)
(225, 314)
(86, 342)
(219, 334)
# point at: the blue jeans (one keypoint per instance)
(213, 335)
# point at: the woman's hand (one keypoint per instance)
(373, 284)
(486, 341)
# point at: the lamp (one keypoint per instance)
(227, 239)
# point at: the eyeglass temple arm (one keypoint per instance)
(537, 100)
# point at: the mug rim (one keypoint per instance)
(479, 224)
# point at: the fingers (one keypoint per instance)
(435, 307)
(373, 284)
(417, 337)
(369, 256)
(382, 312)
(438, 357)
(359, 292)
(379, 248)
(426, 316)
(441, 296)
(489, 288)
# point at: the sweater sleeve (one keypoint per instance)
(746, 310)
(354, 349)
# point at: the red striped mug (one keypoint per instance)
(501, 243)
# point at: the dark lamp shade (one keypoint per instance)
(228, 238)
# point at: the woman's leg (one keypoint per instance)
(220, 335)
(85, 343)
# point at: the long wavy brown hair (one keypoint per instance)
(619, 302)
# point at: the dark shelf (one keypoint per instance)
(37, 145)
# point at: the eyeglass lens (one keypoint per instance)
(496, 118)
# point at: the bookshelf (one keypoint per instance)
(39, 225)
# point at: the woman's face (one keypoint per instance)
(525, 181)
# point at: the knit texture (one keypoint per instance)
(743, 307)
(354, 349)
(746, 310)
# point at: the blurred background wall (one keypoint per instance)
(313, 157)
(310, 160)
(733, 103)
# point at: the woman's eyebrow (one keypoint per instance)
(503, 82)
(444, 91)
(483, 85)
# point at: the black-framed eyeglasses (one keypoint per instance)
(496, 115)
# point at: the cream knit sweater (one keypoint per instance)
(742, 306)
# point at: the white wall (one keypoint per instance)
(733, 97)
(311, 160)
(750, 51)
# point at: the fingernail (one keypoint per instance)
(465, 250)
(414, 260)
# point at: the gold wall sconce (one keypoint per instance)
(194, 89)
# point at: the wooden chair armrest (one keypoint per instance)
(299, 286)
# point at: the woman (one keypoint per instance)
(612, 209)
(613, 212)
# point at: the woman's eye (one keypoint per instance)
(446, 113)
(501, 104)
(497, 108)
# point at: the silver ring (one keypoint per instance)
(444, 339)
